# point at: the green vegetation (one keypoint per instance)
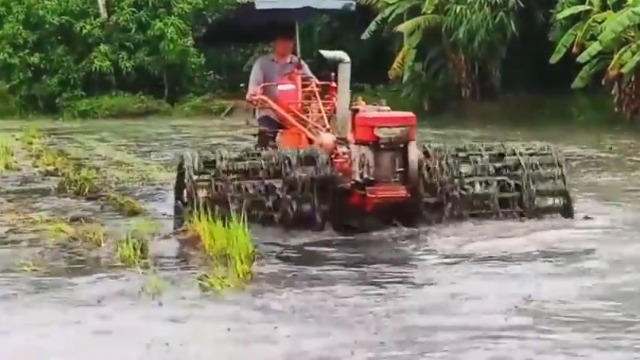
(125, 205)
(69, 58)
(139, 59)
(90, 233)
(203, 106)
(467, 54)
(75, 177)
(604, 38)
(228, 245)
(115, 106)
(7, 156)
(73, 236)
(133, 249)
(79, 181)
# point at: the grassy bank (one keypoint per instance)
(549, 110)
(125, 106)
(566, 109)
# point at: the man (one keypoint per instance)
(269, 69)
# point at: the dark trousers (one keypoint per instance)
(268, 131)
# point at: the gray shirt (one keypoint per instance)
(267, 69)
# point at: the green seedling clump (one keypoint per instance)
(31, 137)
(90, 233)
(229, 246)
(75, 178)
(52, 162)
(133, 249)
(125, 204)
(79, 181)
(7, 157)
(154, 286)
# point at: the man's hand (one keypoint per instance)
(253, 94)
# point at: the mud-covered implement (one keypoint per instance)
(358, 166)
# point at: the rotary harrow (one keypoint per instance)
(358, 167)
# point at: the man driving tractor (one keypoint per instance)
(269, 69)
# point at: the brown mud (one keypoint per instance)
(542, 289)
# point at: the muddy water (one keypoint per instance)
(550, 289)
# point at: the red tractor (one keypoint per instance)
(359, 166)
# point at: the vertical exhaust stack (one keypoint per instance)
(343, 113)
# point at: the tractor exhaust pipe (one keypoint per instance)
(343, 113)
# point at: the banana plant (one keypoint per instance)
(586, 23)
(474, 34)
(605, 38)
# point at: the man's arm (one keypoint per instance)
(307, 72)
(255, 79)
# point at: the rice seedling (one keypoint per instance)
(154, 286)
(217, 279)
(133, 249)
(28, 266)
(79, 181)
(228, 244)
(53, 162)
(24, 217)
(31, 136)
(89, 233)
(125, 204)
(8, 160)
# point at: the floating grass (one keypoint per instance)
(229, 246)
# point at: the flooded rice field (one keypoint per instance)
(541, 289)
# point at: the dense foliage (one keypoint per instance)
(56, 55)
(52, 52)
(460, 41)
(603, 36)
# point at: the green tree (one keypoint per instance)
(53, 51)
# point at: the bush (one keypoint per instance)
(117, 106)
(207, 105)
(8, 105)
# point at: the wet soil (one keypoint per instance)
(543, 289)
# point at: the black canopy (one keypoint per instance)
(261, 21)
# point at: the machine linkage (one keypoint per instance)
(295, 188)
